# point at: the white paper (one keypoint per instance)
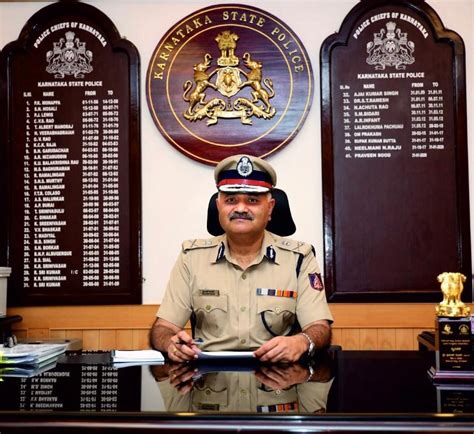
(25, 370)
(137, 356)
(23, 350)
(30, 353)
(216, 355)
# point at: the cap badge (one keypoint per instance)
(244, 167)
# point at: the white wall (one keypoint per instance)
(176, 189)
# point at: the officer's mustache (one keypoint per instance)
(240, 215)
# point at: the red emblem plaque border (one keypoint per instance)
(229, 79)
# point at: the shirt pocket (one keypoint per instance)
(277, 315)
(208, 399)
(211, 314)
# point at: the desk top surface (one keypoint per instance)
(346, 386)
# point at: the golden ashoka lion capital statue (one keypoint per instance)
(451, 287)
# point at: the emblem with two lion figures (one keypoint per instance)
(229, 79)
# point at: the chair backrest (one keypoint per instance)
(281, 223)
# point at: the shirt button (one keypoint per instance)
(242, 309)
(207, 392)
(243, 391)
(277, 309)
(244, 276)
(208, 307)
(242, 341)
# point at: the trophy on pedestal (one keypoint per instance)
(454, 340)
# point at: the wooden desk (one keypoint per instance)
(365, 391)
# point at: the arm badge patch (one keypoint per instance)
(315, 281)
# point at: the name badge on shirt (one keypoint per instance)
(212, 292)
(209, 407)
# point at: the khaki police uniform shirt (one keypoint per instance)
(242, 392)
(229, 302)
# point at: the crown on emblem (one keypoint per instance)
(227, 43)
(69, 39)
(391, 26)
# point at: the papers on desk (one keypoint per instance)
(30, 354)
(124, 358)
(120, 358)
(225, 355)
(27, 371)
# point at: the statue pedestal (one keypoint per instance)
(454, 349)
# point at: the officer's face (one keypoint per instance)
(244, 213)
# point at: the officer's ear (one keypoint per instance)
(272, 206)
(219, 198)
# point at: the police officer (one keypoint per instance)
(271, 389)
(248, 289)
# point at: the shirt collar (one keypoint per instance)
(220, 249)
(267, 250)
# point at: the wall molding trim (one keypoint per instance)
(356, 326)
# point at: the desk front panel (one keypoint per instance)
(358, 390)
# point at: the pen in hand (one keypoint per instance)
(197, 341)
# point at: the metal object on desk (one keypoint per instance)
(6, 334)
(454, 337)
(451, 286)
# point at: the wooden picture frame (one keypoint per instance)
(70, 161)
(394, 145)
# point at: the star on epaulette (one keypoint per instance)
(199, 244)
(294, 246)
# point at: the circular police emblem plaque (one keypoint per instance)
(229, 79)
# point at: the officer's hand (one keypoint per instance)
(160, 372)
(181, 348)
(278, 377)
(181, 377)
(285, 349)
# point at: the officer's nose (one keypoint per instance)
(241, 205)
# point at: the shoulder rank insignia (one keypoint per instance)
(315, 281)
(199, 244)
(294, 246)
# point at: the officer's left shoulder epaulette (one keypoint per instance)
(294, 245)
(199, 243)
